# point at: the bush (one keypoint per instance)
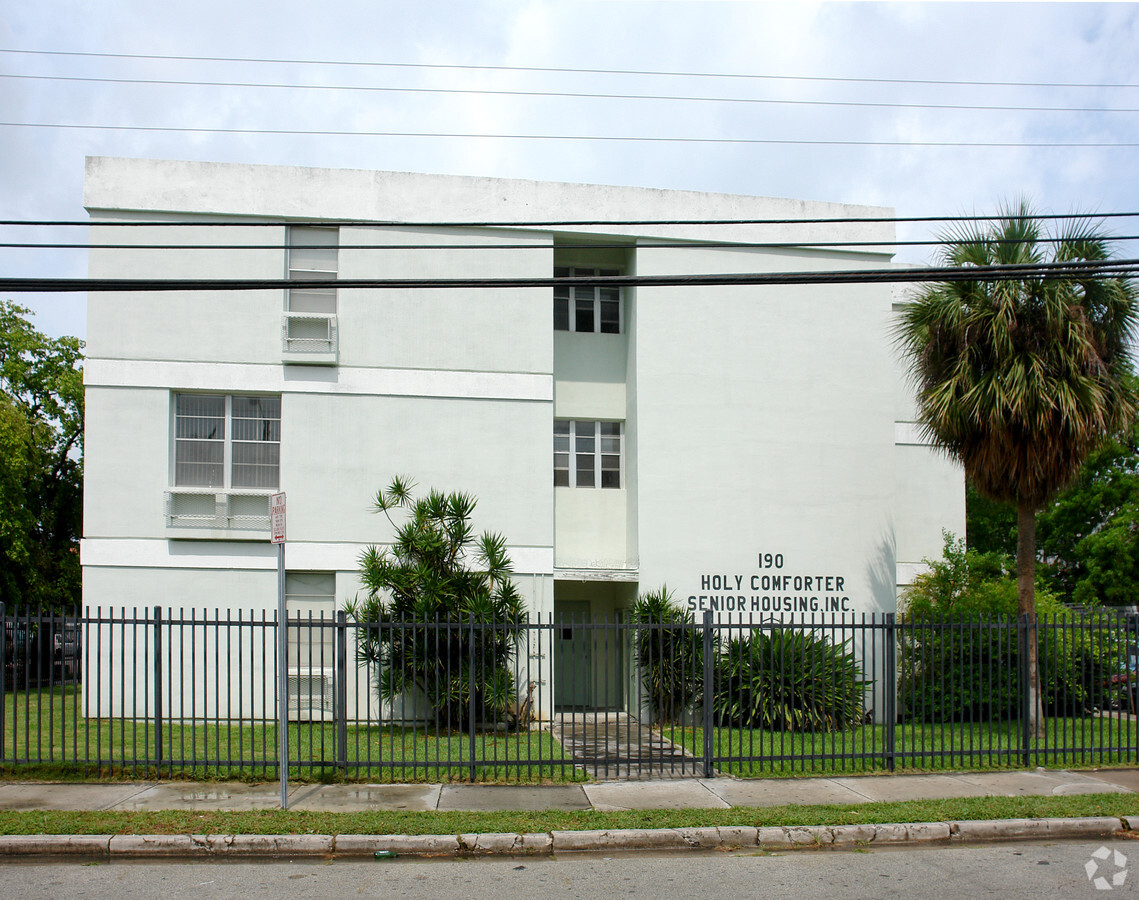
(670, 655)
(960, 649)
(788, 680)
(427, 594)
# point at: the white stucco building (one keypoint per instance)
(748, 446)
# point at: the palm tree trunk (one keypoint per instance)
(1026, 607)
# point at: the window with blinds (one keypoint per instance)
(313, 257)
(309, 331)
(227, 441)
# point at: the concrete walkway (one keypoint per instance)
(615, 745)
(686, 793)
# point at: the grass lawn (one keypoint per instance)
(405, 822)
(918, 747)
(46, 735)
(49, 737)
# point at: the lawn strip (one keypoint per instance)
(407, 822)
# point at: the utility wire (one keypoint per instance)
(658, 244)
(1124, 268)
(301, 132)
(569, 94)
(526, 223)
(564, 70)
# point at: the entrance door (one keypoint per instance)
(573, 655)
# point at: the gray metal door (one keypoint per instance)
(573, 655)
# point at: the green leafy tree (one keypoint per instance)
(442, 617)
(990, 527)
(1089, 535)
(41, 467)
(960, 652)
(1021, 375)
(670, 655)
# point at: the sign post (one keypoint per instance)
(277, 528)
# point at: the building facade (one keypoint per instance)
(749, 446)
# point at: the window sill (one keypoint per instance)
(310, 357)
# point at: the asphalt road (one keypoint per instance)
(1029, 869)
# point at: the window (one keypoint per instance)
(587, 454)
(223, 441)
(309, 603)
(312, 257)
(589, 309)
(309, 330)
(310, 608)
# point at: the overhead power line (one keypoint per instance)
(802, 142)
(1124, 268)
(580, 95)
(566, 70)
(526, 223)
(658, 244)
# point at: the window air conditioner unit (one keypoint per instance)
(309, 338)
(311, 695)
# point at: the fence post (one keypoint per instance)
(709, 771)
(471, 690)
(342, 690)
(891, 698)
(158, 690)
(3, 669)
(1025, 703)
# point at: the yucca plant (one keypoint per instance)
(451, 615)
(670, 655)
(788, 680)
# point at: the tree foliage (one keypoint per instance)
(960, 649)
(442, 617)
(1089, 536)
(1022, 378)
(41, 467)
(990, 526)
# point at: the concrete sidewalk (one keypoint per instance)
(688, 793)
(707, 793)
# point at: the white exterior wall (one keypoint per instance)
(778, 420)
(758, 419)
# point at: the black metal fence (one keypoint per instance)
(162, 693)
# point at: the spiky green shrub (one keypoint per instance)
(441, 617)
(670, 655)
(788, 679)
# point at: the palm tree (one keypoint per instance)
(1020, 375)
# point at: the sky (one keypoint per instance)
(846, 102)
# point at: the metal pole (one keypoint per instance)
(708, 660)
(158, 689)
(891, 675)
(3, 668)
(471, 691)
(342, 690)
(282, 680)
(1025, 703)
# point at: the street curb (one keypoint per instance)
(294, 846)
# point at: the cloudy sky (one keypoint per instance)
(874, 103)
